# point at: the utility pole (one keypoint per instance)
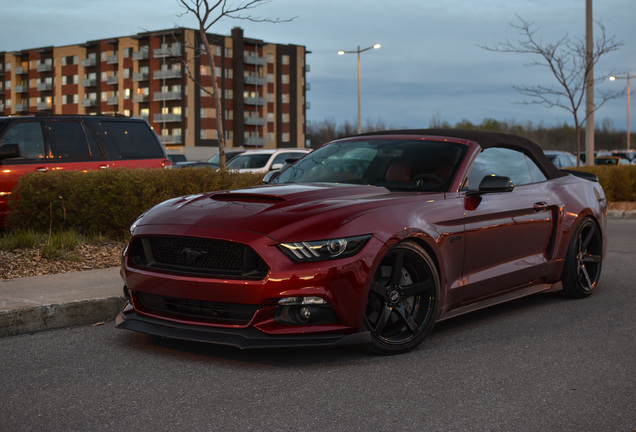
(589, 85)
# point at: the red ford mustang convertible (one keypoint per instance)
(370, 239)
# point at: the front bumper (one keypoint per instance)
(243, 338)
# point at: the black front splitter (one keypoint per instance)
(239, 338)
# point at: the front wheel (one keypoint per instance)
(403, 299)
(583, 261)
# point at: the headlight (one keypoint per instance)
(135, 224)
(321, 250)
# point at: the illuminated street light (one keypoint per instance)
(358, 51)
(627, 77)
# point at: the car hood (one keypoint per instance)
(281, 212)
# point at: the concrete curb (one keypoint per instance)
(47, 317)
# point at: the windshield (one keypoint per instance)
(397, 164)
(247, 161)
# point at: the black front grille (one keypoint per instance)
(198, 256)
(213, 312)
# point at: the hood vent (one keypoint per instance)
(246, 197)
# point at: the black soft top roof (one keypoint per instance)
(486, 140)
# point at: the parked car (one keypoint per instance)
(562, 159)
(73, 142)
(229, 155)
(610, 160)
(626, 154)
(263, 161)
(177, 158)
(370, 239)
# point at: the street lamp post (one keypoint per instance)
(358, 51)
(627, 77)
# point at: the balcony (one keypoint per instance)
(113, 100)
(44, 86)
(139, 98)
(142, 117)
(255, 80)
(44, 67)
(255, 121)
(112, 59)
(171, 139)
(89, 102)
(112, 80)
(43, 106)
(167, 74)
(254, 60)
(255, 141)
(255, 101)
(172, 51)
(141, 54)
(19, 70)
(141, 76)
(89, 62)
(21, 88)
(166, 118)
(89, 82)
(166, 96)
(19, 107)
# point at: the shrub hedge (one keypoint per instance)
(108, 201)
(619, 182)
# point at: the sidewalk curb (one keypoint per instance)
(47, 317)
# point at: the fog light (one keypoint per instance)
(305, 313)
(304, 310)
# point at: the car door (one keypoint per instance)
(75, 147)
(508, 235)
(34, 156)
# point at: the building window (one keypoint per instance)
(270, 117)
(205, 70)
(285, 97)
(285, 59)
(285, 117)
(228, 53)
(229, 94)
(270, 77)
(285, 79)
(285, 136)
(270, 58)
(229, 114)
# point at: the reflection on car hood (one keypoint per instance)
(280, 212)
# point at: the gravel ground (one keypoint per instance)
(29, 262)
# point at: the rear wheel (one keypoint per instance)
(583, 261)
(403, 300)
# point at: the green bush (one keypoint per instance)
(619, 182)
(108, 201)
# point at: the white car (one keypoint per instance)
(263, 161)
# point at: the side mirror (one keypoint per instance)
(276, 167)
(493, 184)
(8, 151)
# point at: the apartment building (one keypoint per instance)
(165, 78)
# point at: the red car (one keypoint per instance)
(370, 239)
(49, 143)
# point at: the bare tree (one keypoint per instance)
(207, 14)
(567, 60)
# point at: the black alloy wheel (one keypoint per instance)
(583, 261)
(403, 299)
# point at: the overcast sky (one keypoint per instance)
(430, 65)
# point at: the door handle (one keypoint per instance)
(540, 206)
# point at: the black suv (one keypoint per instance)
(73, 142)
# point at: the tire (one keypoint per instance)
(402, 305)
(583, 262)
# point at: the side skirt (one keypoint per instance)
(492, 301)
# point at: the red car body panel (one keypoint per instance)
(487, 248)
